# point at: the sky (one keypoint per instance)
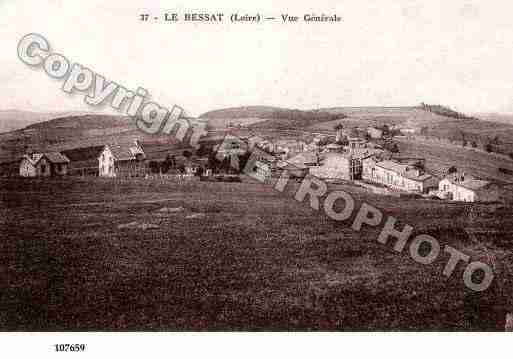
(383, 53)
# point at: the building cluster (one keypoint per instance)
(349, 155)
(117, 159)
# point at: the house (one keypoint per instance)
(122, 159)
(233, 146)
(409, 130)
(398, 176)
(339, 166)
(83, 160)
(44, 165)
(356, 143)
(465, 188)
(333, 147)
(375, 133)
(305, 159)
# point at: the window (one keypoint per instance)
(43, 168)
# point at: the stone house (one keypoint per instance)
(44, 165)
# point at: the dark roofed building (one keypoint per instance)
(83, 160)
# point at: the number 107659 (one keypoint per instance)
(70, 347)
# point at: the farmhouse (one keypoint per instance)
(465, 188)
(44, 165)
(125, 159)
(398, 176)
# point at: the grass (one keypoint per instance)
(255, 260)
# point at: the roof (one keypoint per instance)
(469, 182)
(334, 146)
(304, 157)
(80, 154)
(404, 170)
(56, 157)
(52, 157)
(125, 151)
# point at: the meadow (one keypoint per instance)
(99, 254)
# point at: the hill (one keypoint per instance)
(267, 117)
(75, 131)
(434, 121)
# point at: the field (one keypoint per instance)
(441, 156)
(93, 254)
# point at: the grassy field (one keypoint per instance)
(93, 254)
(441, 156)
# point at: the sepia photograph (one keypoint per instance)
(272, 170)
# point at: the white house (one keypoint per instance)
(126, 159)
(465, 188)
(44, 165)
(399, 176)
(338, 166)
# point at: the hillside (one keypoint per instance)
(435, 121)
(242, 112)
(69, 132)
(11, 120)
(266, 117)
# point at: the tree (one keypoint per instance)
(338, 127)
(187, 154)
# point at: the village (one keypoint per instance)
(366, 157)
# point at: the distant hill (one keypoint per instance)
(435, 121)
(242, 112)
(11, 120)
(267, 117)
